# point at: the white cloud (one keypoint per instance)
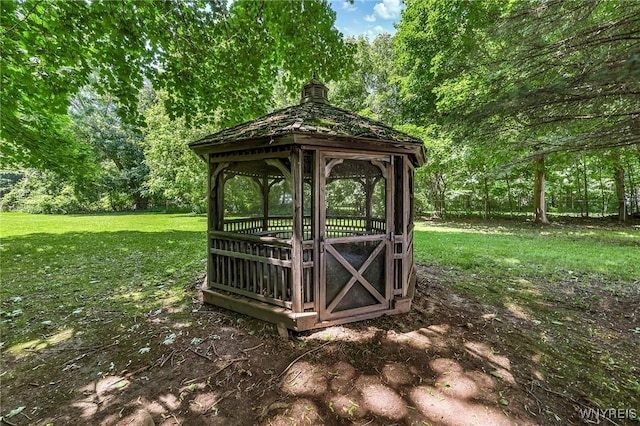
(349, 7)
(370, 18)
(388, 9)
(379, 29)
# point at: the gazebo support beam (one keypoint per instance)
(297, 235)
(265, 201)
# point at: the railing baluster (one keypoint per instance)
(260, 271)
(240, 262)
(229, 280)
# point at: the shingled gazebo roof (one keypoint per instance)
(315, 117)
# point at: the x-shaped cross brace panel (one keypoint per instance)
(356, 275)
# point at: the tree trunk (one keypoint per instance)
(579, 190)
(633, 207)
(439, 191)
(510, 197)
(140, 202)
(620, 192)
(602, 194)
(570, 198)
(539, 207)
(586, 188)
(487, 201)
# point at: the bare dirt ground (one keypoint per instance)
(450, 361)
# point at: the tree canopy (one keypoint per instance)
(521, 80)
(217, 62)
(509, 97)
(547, 76)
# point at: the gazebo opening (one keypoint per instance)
(310, 216)
(355, 228)
(258, 198)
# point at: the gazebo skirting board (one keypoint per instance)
(286, 319)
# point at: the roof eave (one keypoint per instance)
(415, 147)
(203, 148)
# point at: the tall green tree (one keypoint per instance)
(218, 62)
(121, 170)
(372, 88)
(384, 93)
(525, 78)
(438, 41)
(351, 91)
(176, 176)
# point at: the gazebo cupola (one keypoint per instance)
(310, 219)
(315, 91)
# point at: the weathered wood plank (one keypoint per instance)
(260, 259)
(406, 219)
(248, 156)
(297, 234)
(232, 236)
(274, 314)
(349, 145)
(268, 145)
(390, 227)
(357, 239)
(320, 216)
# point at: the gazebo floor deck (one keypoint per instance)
(286, 318)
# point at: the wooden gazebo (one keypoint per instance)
(330, 238)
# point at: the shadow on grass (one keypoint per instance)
(52, 281)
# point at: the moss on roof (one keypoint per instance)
(309, 118)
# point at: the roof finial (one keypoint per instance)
(315, 91)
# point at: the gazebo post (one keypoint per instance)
(297, 234)
(318, 172)
(216, 196)
(368, 190)
(210, 220)
(265, 202)
(216, 210)
(390, 226)
(407, 230)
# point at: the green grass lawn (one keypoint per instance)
(63, 275)
(511, 254)
(53, 266)
(528, 250)
(89, 276)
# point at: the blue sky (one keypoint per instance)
(367, 17)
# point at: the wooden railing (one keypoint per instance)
(281, 226)
(344, 226)
(255, 262)
(253, 266)
(246, 225)
(274, 226)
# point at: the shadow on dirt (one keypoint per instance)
(449, 361)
